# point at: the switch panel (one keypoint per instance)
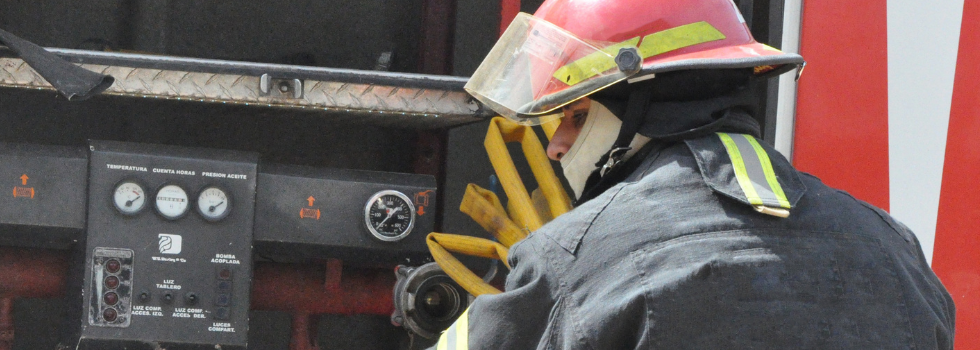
(169, 246)
(110, 300)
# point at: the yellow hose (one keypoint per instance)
(524, 212)
(484, 207)
(441, 244)
(502, 131)
(550, 128)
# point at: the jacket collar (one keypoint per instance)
(670, 122)
(718, 170)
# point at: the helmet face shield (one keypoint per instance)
(537, 67)
(559, 55)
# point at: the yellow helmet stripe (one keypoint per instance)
(678, 38)
(653, 44)
(592, 64)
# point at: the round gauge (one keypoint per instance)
(129, 197)
(389, 215)
(171, 202)
(213, 203)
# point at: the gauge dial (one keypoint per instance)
(129, 197)
(389, 215)
(213, 203)
(171, 202)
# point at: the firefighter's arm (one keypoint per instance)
(523, 317)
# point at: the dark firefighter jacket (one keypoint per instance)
(675, 258)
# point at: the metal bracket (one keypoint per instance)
(286, 88)
(399, 100)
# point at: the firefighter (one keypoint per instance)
(688, 231)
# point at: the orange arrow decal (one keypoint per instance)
(421, 210)
(23, 179)
(311, 200)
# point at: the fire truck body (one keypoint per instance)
(320, 125)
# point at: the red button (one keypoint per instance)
(110, 298)
(112, 282)
(112, 266)
(224, 274)
(109, 314)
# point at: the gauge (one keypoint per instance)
(389, 215)
(129, 197)
(171, 202)
(213, 203)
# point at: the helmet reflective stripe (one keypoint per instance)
(592, 65)
(678, 38)
(652, 45)
(754, 172)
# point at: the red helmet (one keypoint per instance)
(572, 48)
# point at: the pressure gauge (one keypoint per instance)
(171, 202)
(389, 215)
(213, 203)
(129, 197)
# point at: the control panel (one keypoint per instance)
(163, 237)
(169, 246)
(360, 217)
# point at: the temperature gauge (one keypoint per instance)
(171, 202)
(129, 197)
(389, 215)
(213, 203)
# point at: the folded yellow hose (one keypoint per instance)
(540, 202)
(502, 131)
(484, 207)
(441, 244)
(524, 213)
(550, 128)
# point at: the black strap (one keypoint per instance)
(597, 184)
(636, 107)
(74, 82)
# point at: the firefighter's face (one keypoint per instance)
(568, 130)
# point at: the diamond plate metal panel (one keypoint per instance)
(379, 104)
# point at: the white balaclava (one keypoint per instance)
(597, 136)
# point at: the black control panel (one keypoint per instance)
(164, 237)
(361, 217)
(169, 246)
